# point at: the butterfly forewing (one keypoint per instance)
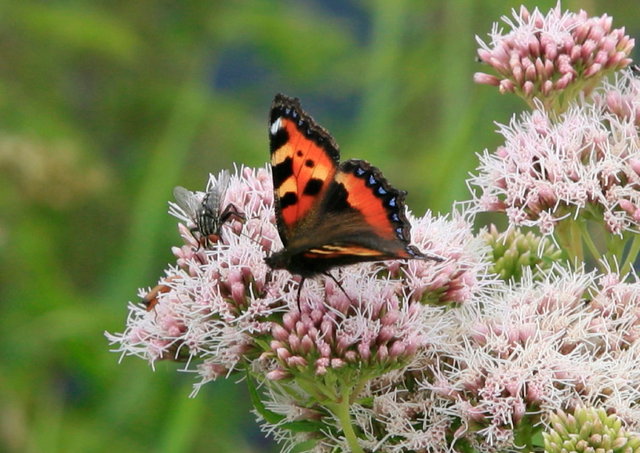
(304, 158)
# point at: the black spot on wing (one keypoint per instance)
(337, 198)
(309, 163)
(278, 139)
(282, 172)
(313, 187)
(289, 199)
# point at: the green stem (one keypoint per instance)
(319, 392)
(593, 249)
(341, 411)
(575, 236)
(632, 255)
(615, 247)
(523, 434)
(569, 237)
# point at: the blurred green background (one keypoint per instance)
(106, 105)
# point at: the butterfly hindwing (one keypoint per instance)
(361, 219)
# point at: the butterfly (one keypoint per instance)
(206, 214)
(329, 213)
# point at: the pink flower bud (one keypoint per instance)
(484, 55)
(279, 333)
(519, 410)
(283, 353)
(364, 350)
(528, 88)
(486, 79)
(350, 356)
(627, 206)
(337, 363)
(277, 375)
(289, 320)
(506, 86)
(382, 354)
(296, 362)
(276, 344)
(385, 334)
(294, 342)
(397, 349)
(306, 345)
(592, 70)
(302, 327)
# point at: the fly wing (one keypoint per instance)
(187, 202)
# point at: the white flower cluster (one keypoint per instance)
(552, 167)
(519, 354)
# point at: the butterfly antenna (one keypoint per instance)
(330, 275)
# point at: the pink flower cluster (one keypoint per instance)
(221, 308)
(335, 329)
(622, 96)
(523, 350)
(544, 55)
(552, 167)
(567, 340)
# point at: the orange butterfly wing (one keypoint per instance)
(304, 158)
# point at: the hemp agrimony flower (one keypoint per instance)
(223, 311)
(513, 251)
(588, 430)
(511, 343)
(553, 57)
(556, 172)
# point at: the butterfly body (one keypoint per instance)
(329, 213)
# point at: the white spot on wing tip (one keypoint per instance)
(275, 126)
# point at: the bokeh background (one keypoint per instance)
(106, 105)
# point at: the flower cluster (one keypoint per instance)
(347, 329)
(587, 160)
(221, 309)
(514, 250)
(519, 354)
(537, 347)
(587, 430)
(215, 298)
(552, 57)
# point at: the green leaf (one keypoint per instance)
(269, 416)
(304, 426)
(537, 439)
(304, 446)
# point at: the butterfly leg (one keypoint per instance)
(299, 291)
(335, 280)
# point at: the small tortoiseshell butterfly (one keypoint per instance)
(329, 213)
(207, 215)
